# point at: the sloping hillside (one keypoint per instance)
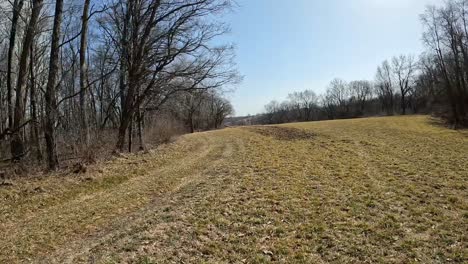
(390, 190)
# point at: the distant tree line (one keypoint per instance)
(74, 72)
(436, 82)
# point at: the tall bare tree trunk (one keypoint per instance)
(33, 108)
(17, 144)
(2, 119)
(449, 88)
(140, 118)
(403, 103)
(124, 123)
(17, 6)
(130, 135)
(84, 74)
(50, 96)
(127, 111)
(192, 126)
(124, 120)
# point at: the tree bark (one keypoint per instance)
(17, 7)
(17, 144)
(124, 116)
(403, 103)
(128, 110)
(130, 135)
(123, 60)
(192, 126)
(50, 96)
(140, 118)
(33, 108)
(84, 74)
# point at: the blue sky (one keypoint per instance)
(286, 46)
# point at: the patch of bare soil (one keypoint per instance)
(282, 133)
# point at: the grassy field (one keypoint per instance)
(377, 190)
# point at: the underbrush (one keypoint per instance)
(75, 156)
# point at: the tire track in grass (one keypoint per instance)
(171, 232)
(88, 250)
(66, 224)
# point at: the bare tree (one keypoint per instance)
(271, 109)
(338, 95)
(404, 69)
(50, 94)
(384, 87)
(33, 106)
(219, 109)
(17, 143)
(361, 93)
(177, 49)
(17, 7)
(84, 73)
(304, 102)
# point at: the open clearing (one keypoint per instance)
(390, 190)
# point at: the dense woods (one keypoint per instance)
(77, 76)
(436, 82)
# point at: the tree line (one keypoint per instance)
(72, 72)
(436, 82)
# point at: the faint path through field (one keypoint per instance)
(191, 169)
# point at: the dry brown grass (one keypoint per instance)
(377, 190)
(282, 132)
